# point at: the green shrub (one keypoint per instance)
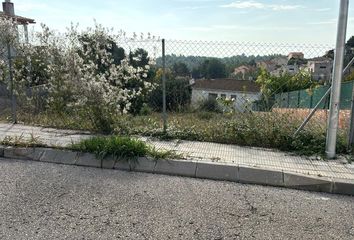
(178, 94)
(204, 115)
(120, 148)
(145, 110)
(210, 105)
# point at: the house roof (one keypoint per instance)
(226, 84)
(296, 53)
(18, 19)
(320, 59)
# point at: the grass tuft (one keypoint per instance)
(120, 148)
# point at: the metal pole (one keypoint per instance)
(331, 141)
(13, 97)
(164, 114)
(313, 111)
(307, 119)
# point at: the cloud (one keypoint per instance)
(259, 5)
(324, 22)
(322, 9)
(28, 6)
(330, 21)
(192, 8)
(238, 27)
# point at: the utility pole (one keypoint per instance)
(332, 129)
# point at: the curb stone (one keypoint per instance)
(19, 153)
(108, 163)
(59, 156)
(308, 183)
(206, 170)
(2, 152)
(342, 187)
(175, 167)
(122, 165)
(88, 160)
(217, 172)
(261, 176)
(143, 164)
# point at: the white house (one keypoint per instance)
(320, 68)
(244, 92)
(8, 11)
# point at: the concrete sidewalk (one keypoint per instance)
(203, 152)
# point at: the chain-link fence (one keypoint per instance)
(245, 94)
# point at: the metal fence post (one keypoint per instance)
(164, 114)
(331, 140)
(288, 99)
(13, 97)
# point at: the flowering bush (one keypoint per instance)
(80, 72)
(8, 38)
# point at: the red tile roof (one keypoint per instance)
(226, 84)
(19, 19)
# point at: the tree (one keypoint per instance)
(350, 42)
(213, 68)
(180, 69)
(139, 58)
(271, 85)
(178, 91)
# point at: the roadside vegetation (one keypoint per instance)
(121, 148)
(85, 80)
(257, 129)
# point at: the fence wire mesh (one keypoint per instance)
(239, 94)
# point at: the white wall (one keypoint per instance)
(243, 100)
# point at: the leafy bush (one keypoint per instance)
(178, 93)
(204, 115)
(210, 105)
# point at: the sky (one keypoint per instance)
(276, 21)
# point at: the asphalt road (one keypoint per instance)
(48, 201)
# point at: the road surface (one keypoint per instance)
(49, 201)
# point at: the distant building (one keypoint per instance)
(245, 72)
(243, 92)
(8, 11)
(320, 68)
(273, 64)
(289, 69)
(296, 55)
